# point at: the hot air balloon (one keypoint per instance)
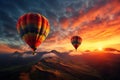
(33, 29)
(76, 41)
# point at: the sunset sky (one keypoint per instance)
(96, 21)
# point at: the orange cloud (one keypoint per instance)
(99, 27)
(103, 11)
(6, 49)
(64, 23)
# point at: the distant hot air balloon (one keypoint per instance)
(76, 41)
(33, 29)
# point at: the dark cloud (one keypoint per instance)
(55, 5)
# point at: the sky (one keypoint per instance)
(97, 22)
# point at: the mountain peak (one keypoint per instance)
(50, 59)
(54, 51)
(111, 49)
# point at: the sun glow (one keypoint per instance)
(100, 49)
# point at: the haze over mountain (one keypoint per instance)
(55, 65)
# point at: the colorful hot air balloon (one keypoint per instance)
(33, 29)
(76, 41)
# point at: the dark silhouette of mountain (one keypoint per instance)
(111, 49)
(106, 64)
(52, 68)
(95, 66)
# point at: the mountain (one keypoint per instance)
(52, 68)
(111, 49)
(55, 65)
(106, 64)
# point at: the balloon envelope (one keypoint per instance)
(33, 29)
(76, 41)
